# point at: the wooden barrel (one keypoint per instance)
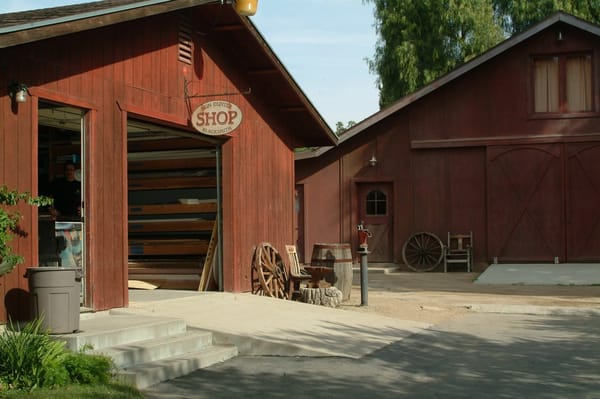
(338, 257)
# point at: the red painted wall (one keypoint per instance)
(434, 151)
(132, 69)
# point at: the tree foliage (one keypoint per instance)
(418, 41)
(9, 224)
(340, 128)
(518, 15)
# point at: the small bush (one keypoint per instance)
(88, 369)
(29, 358)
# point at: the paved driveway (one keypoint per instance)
(477, 355)
(472, 350)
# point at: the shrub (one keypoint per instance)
(29, 358)
(88, 369)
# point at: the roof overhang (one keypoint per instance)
(235, 34)
(455, 74)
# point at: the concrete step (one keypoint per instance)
(134, 353)
(151, 373)
(145, 349)
(111, 330)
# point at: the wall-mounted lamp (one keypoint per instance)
(246, 8)
(559, 37)
(18, 92)
(373, 161)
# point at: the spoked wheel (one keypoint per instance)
(423, 251)
(269, 276)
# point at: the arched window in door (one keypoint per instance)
(376, 203)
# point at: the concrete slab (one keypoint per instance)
(267, 326)
(541, 274)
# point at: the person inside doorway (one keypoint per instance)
(66, 192)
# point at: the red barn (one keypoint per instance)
(506, 146)
(111, 86)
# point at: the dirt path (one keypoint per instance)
(435, 297)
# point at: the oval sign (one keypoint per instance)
(216, 118)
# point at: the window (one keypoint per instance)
(563, 84)
(376, 203)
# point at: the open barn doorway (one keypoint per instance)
(61, 175)
(173, 208)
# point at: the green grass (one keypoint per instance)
(104, 391)
(33, 365)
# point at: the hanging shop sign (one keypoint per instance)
(216, 118)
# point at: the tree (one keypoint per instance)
(420, 41)
(341, 129)
(9, 224)
(518, 15)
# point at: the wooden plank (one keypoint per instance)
(169, 281)
(141, 285)
(166, 209)
(170, 225)
(167, 183)
(167, 144)
(171, 164)
(165, 263)
(139, 270)
(208, 261)
(170, 247)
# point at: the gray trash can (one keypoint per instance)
(55, 292)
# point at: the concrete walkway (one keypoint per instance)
(267, 326)
(412, 303)
(541, 274)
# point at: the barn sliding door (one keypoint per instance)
(526, 203)
(583, 202)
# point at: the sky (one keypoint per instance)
(323, 44)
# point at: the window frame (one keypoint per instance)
(563, 113)
(376, 201)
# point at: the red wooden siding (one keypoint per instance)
(255, 202)
(325, 219)
(16, 149)
(525, 206)
(583, 197)
(132, 70)
(471, 156)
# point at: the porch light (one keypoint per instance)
(18, 92)
(246, 8)
(373, 161)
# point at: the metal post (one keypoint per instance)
(364, 278)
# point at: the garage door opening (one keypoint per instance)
(173, 200)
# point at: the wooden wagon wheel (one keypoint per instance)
(423, 251)
(269, 276)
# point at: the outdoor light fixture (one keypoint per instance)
(18, 92)
(373, 161)
(246, 8)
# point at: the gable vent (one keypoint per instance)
(185, 41)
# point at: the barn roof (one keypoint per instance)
(454, 74)
(267, 76)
